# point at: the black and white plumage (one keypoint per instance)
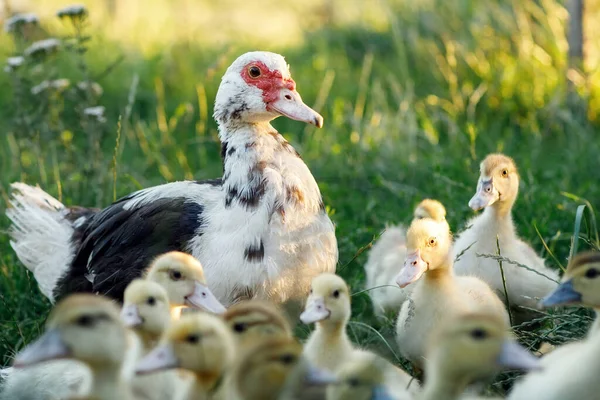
(260, 231)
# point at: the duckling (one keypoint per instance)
(274, 369)
(467, 348)
(497, 191)
(438, 294)
(182, 276)
(253, 319)
(387, 257)
(87, 328)
(146, 310)
(364, 378)
(571, 371)
(199, 343)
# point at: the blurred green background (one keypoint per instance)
(414, 94)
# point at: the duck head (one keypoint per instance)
(498, 183)
(580, 283)
(329, 300)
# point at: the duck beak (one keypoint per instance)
(130, 315)
(319, 377)
(49, 346)
(161, 358)
(564, 294)
(203, 298)
(315, 311)
(515, 356)
(290, 104)
(486, 195)
(414, 268)
(380, 392)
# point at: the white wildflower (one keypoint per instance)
(37, 89)
(42, 46)
(57, 85)
(72, 11)
(96, 112)
(17, 20)
(94, 87)
(15, 62)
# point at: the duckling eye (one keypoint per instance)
(151, 301)
(85, 321)
(239, 327)
(478, 334)
(431, 242)
(505, 173)
(354, 382)
(193, 339)
(336, 294)
(288, 359)
(591, 273)
(254, 71)
(175, 275)
(310, 291)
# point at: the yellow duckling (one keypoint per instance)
(571, 371)
(253, 319)
(87, 328)
(387, 256)
(199, 343)
(497, 190)
(182, 276)
(438, 294)
(468, 348)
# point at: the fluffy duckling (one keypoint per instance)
(438, 294)
(571, 371)
(274, 368)
(253, 319)
(199, 343)
(497, 190)
(182, 276)
(87, 328)
(364, 378)
(387, 257)
(467, 348)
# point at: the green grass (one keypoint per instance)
(410, 106)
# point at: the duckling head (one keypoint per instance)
(146, 308)
(253, 319)
(361, 378)
(428, 245)
(498, 183)
(580, 284)
(84, 327)
(475, 346)
(329, 301)
(430, 208)
(182, 276)
(198, 342)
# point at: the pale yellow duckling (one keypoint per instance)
(571, 371)
(497, 190)
(468, 348)
(182, 276)
(252, 320)
(199, 343)
(87, 328)
(438, 294)
(386, 259)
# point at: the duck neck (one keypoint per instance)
(498, 221)
(149, 340)
(442, 382)
(440, 273)
(501, 210)
(204, 384)
(332, 330)
(108, 384)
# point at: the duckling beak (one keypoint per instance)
(380, 392)
(130, 315)
(49, 346)
(161, 358)
(515, 356)
(315, 311)
(564, 294)
(319, 377)
(203, 298)
(486, 195)
(414, 268)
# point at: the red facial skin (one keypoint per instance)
(270, 82)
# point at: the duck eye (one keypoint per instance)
(478, 334)
(336, 294)
(505, 173)
(591, 273)
(151, 301)
(288, 359)
(254, 71)
(85, 321)
(175, 275)
(193, 339)
(432, 242)
(310, 291)
(239, 327)
(354, 382)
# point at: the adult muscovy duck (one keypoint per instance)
(260, 231)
